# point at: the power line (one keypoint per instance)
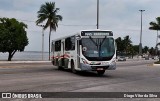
(26, 20)
(59, 24)
(75, 25)
(71, 25)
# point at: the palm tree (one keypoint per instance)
(158, 50)
(123, 45)
(119, 44)
(127, 43)
(48, 13)
(155, 26)
(145, 49)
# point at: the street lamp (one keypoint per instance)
(42, 39)
(140, 44)
(97, 14)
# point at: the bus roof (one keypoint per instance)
(78, 33)
(96, 30)
(65, 37)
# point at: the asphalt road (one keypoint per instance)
(130, 76)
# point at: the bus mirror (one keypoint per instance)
(80, 42)
(78, 37)
(116, 45)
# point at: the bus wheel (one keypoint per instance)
(101, 72)
(72, 67)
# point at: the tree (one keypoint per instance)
(120, 46)
(152, 51)
(127, 43)
(13, 36)
(158, 50)
(48, 13)
(131, 51)
(136, 49)
(155, 26)
(124, 45)
(145, 49)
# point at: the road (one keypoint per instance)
(130, 76)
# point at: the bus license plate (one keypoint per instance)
(99, 68)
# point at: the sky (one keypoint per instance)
(121, 16)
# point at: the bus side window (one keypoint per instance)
(58, 45)
(70, 43)
(53, 47)
(73, 43)
(67, 44)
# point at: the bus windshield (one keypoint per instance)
(98, 49)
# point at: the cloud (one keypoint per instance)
(121, 16)
(22, 4)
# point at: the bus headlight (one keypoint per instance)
(84, 61)
(113, 63)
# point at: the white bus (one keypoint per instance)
(89, 50)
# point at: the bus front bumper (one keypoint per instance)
(85, 67)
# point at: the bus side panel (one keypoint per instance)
(78, 54)
(71, 54)
(56, 54)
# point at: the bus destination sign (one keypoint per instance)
(96, 33)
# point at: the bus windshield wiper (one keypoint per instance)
(100, 44)
(93, 41)
(102, 41)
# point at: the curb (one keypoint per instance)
(8, 62)
(156, 65)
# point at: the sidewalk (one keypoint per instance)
(6, 62)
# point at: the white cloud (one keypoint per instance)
(121, 16)
(21, 4)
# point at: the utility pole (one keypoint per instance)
(42, 41)
(140, 44)
(97, 14)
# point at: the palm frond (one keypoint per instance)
(158, 20)
(154, 25)
(56, 11)
(59, 17)
(47, 24)
(48, 13)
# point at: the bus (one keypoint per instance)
(88, 50)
